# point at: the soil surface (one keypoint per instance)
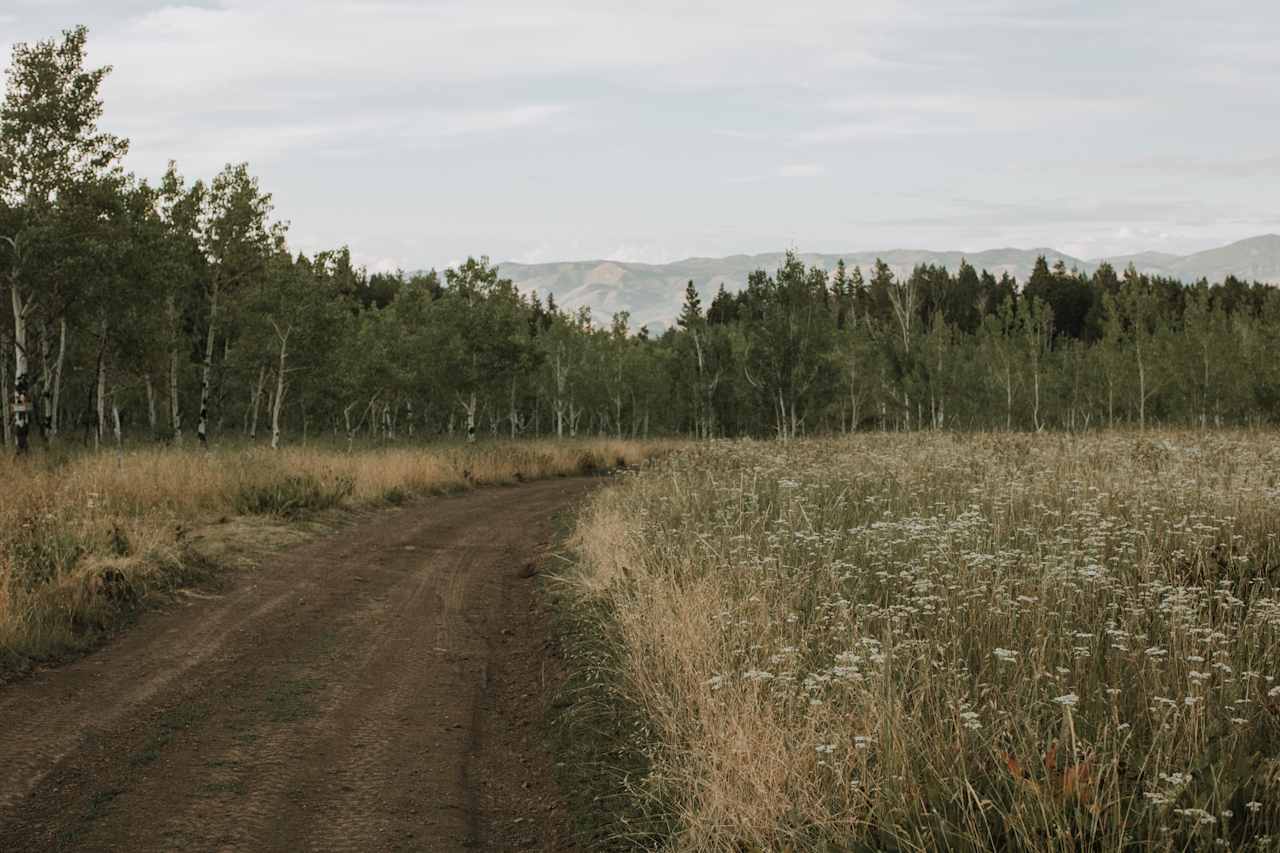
(379, 688)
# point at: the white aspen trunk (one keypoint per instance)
(151, 403)
(278, 403)
(408, 417)
(206, 369)
(562, 378)
(782, 416)
(256, 402)
(21, 381)
(469, 405)
(175, 411)
(700, 414)
(46, 382)
(853, 402)
(101, 393)
(116, 431)
(54, 422)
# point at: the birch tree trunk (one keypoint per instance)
(278, 402)
(469, 406)
(151, 404)
(562, 379)
(46, 383)
(54, 418)
(206, 369)
(256, 402)
(21, 381)
(116, 431)
(100, 395)
(175, 410)
(575, 414)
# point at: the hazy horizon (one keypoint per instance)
(871, 250)
(420, 133)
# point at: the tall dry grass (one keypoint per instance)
(929, 642)
(84, 538)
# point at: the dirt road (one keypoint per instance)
(380, 688)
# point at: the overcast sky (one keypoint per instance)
(536, 130)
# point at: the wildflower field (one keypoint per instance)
(944, 642)
(85, 538)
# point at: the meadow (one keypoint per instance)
(87, 538)
(939, 642)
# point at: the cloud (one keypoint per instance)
(428, 129)
(261, 139)
(400, 44)
(801, 170)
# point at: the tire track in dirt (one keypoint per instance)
(372, 690)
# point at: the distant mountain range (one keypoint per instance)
(653, 292)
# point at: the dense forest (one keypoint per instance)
(175, 310)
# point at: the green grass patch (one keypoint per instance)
(598, 735)
(292, 495)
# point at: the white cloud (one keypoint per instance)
(418, 130)
(801, 170)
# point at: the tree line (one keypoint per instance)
(175, 310)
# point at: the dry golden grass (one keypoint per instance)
(926, 642)
(83, 538)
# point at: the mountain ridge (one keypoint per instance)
(652, 293)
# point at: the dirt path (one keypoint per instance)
(380, 688)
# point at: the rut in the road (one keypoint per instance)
(380, 688)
